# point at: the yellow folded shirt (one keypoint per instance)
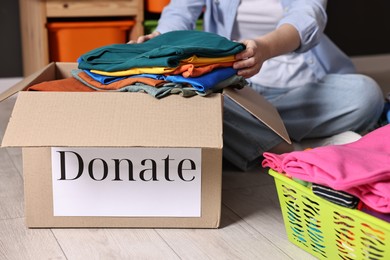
(134, 71)
(195, 60)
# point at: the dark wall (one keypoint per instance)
(359, 27)
(10, 44)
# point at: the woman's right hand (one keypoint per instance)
(146, 37)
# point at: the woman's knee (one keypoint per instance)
(367, 100)
(368, 94)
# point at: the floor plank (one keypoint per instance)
(11, 183)
(16, 158)
(5, 83)
(234, 240)
(6, 107)
(259, 207)
(17, 242)
(82, 244)
(11, 188)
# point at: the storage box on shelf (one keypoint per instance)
(154, 6)
(69, 40)
(34, 15)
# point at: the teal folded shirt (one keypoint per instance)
(165, 50)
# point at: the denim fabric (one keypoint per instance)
(337, 103)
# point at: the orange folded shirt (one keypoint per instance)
(74, 85)
(190, 70)
(68, 84)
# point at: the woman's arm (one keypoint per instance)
(180, 15)
(299, 30)
(308, 17)
(283, 40)
(177, 15)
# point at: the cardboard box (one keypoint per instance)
(137, 161)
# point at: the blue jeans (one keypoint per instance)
(337, 103)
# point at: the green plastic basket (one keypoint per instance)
(329, 231)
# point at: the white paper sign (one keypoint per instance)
(131, 182)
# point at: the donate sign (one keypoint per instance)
(126, 182)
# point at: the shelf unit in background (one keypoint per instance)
(34, 15)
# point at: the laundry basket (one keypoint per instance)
(329, 231)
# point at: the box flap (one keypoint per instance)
(47, 73)
(114, 119)
(260, 108)
(28, 81)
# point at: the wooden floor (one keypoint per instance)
(252, 224)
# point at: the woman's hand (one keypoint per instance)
(250, 60)
(145, 38)
(283, 40)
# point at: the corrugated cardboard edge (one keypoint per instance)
(39, 193)
(39, 198)
(100, 119)
(256, 104)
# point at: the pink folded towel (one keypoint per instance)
(361, 168)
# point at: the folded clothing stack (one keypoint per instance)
(360, 168)
(184, 62)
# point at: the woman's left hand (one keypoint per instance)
(250, 60)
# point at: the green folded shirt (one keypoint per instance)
(165, 50)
